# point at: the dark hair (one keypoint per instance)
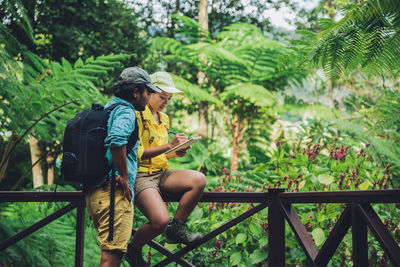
(125, 90)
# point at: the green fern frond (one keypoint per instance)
(255, 94)
(366, 37)
(192, 91)
(18, 10)
(190, 29)
(169, 45)
(240, 33)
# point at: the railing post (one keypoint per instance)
(276, 229)
(80, 235)
(360, 238)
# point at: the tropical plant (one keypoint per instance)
(321, 162)
(241, 70)
(28, 81)
(73, 30)
(367, 37)
(52, 245)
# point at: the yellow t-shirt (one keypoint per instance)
(152, 135)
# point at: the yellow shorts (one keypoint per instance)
(98, 206)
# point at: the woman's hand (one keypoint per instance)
(181, 152)
(178, 139)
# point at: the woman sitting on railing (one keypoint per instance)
(154, 176)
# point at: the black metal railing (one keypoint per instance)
(357, 214)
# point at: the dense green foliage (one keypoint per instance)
(368, 36)
(53, 245)
(76, 29)
(39, 96)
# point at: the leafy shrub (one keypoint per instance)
(52, 245)
(318, 163)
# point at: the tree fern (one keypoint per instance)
(16, 8)
(241, 66)
(367, 37)
(192, 91)
(31, 87)
(189, 30)
(257, 95)
(388, 111)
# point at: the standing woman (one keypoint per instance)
(154, 176)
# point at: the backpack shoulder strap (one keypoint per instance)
(111, 108)
(134, 135)
(133, 138)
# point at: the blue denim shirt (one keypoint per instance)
(121, 124)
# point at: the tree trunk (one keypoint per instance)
(237, 127)
(203, 106)
(203, 119)
(6, 156)
(203, 15)
(235, 156)
(37, 171)
(51, 167)
(331, 9)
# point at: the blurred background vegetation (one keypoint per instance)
(313, 107)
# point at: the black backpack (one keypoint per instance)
(84, 152)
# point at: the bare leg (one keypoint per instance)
(152, 206)
(110, 259)
(191, 184)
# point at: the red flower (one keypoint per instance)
(339, 155)
(210, 207)
(233, 190)
(218, 244)
(367, 144)
(300, 175)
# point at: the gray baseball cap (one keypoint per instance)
(137, 75)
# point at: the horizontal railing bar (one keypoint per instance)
(223, 197)
(366, 196)
(26, 196)
(363, 196)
